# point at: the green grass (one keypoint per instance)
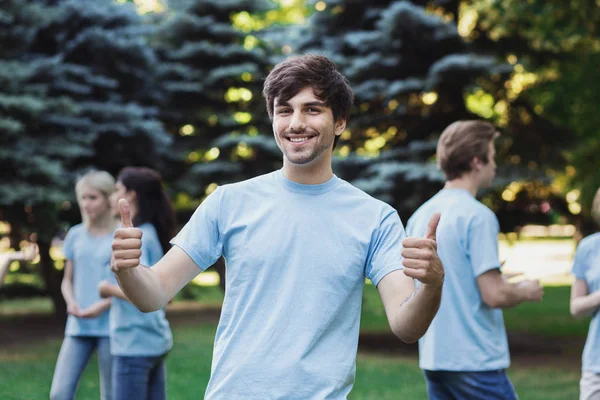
(392, 378)
(210, 295)
(33, 305)
(27, 373)
(549, 318)
(378, 376)
(203, 294)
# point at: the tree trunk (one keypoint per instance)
(52, 281)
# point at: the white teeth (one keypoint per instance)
(296, 140)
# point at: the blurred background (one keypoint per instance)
(176, 85)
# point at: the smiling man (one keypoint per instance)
(299, 243)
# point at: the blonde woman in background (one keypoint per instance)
(585, 300)
(87, 248)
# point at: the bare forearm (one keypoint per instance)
(511, 296)
(113, 291)
(414, 315)
(66, 289)
(585, 305)
(142, 287)
(104, 305)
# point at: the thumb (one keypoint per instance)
(125, 214)
(432, 226)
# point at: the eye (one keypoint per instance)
(283, 111)
(313, 110)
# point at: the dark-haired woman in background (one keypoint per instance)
(140, 341)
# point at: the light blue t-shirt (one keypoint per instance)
(90, 255)
(586, 266)
(466, 334)
(132, 332)
(297, 257)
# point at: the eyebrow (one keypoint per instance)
(309, 104)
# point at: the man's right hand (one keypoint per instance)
(127, 243)
(532, 289)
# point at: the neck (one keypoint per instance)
(464, 182)
(102, 225)
(308, 174)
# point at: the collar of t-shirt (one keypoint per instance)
(307, 189)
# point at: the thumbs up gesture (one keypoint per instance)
(421, 260)
(127, 242)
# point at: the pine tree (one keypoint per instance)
(76, 91)
(555, 49)
(409, 70)
(212, 72)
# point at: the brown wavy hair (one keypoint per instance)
(462, 141)
(318, 72)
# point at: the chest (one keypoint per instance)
(94, 253)
(301, 243)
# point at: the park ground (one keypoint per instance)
(545, 341)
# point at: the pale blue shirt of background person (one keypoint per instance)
(586, 266)
(297, 257)
(132, 332)
(466, 334)
(90, 255)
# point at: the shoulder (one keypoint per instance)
(76, 230)
(346, 192)
(479, 212)
(250, 183)
(589, 242)
(252, 186)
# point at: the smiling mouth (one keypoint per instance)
(299, 139)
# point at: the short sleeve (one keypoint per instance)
(580, 263)
(482, 242)
(69, 243)
(385, 254)
(201, 238)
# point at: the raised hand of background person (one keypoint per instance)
(127, 242)
(28, 253)
(420, 258)
(533, 289)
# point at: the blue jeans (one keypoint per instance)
(139, 378)
(478, 385)
(73, 357)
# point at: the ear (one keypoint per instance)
(340, 125)
(476, 164)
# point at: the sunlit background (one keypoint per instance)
(176, 85)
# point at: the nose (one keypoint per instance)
(297, 123)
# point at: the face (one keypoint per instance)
(93, 203)
(304, 127)
(120, 193)
(487, 172)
